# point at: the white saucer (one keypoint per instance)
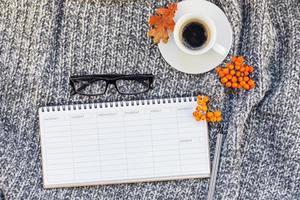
(195, 64)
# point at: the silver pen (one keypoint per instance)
(215, 167)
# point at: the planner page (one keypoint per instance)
(122, 142)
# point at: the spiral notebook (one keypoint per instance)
(122, 142)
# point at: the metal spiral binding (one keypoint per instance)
(117, 104)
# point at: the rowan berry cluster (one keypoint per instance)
(235, 74)
(202, 112)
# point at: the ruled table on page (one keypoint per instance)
(151, 142)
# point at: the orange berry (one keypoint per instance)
(240, 79)
(203, 117)
(237, 67)
(226, 71)
(234, 79)
(198, 108)
(232, 72)
(218, 69)
(238, 74)
(247, 68)
(239, 86)
(239, 60)
(198, 118)
(243, 83)
(229, 76)
(224, 80)
(199, 98)
(217, 114)
(204, 108)
(228, 84)
(200, 102)
(205, 99)
(231, 66)
(219, 119)
(234, 85)
(251, 69)
(242, 69)
(246, 73)
(252, 86)
(251, 82)
(246, 87)
(233, 58)
(195, 113)
(209, 114)
(221, 74)
(246, 78)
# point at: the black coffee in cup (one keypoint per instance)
(194, 35)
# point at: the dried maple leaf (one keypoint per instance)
(161, 23)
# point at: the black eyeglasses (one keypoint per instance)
(92, 85)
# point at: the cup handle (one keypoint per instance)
(219, 49)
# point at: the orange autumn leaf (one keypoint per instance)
(161, 23)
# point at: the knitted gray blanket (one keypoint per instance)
(43, 42)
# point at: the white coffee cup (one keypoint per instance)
(210, 28)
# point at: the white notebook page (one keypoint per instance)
(123, 144)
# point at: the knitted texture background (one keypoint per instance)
(43, 42)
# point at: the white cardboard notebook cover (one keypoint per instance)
(122, 142)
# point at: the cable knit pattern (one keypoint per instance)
(43, 42)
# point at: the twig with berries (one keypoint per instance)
(203, 113)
